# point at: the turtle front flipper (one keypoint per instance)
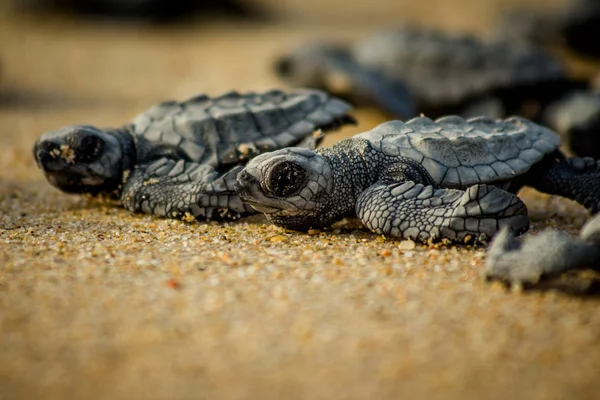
(575, 178)
(334, 68)
(372, 86)
(183, 190)
(415, 211)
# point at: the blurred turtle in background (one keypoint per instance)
(575, 26)
(407, 71)
(148, 10)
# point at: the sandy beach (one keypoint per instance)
(99, 303)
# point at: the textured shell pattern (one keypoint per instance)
(218, 131)
(459, 153)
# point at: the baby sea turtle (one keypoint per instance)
(407, 69)
(572, 26)
(180, 159)
(537, 257)
(451, 178)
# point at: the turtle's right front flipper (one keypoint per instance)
(183, 189)
(371, 85)
(414, 211)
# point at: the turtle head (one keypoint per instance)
(81, 159)
(311, 65)
(292, 186)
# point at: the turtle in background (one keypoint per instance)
(180, 159)
(574, 26)
(424, 180)
(408, 70)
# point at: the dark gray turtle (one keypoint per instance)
(447, 73)
(574, 26)
(180, 159)
(437, 74)
(537, 257)
(452, 178)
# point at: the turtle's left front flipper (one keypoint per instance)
(183, 189)
(416, 211)
(574, 178)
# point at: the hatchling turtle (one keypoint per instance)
(537, 257)
(435, 73)
(180, 159)
(450, 178)
(573, 26)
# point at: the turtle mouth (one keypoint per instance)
(72, 183)
(261, 207)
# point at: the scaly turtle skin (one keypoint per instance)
(423, 179)
(180, 159)
(550, 253)
(409, 70)
(573, 26)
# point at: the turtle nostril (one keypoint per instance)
(44, 158)
(43, 152)
(244, 182)
(46, 147)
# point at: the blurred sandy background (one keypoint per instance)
(97, 303)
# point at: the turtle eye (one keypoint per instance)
(87, 147)
(286, 179)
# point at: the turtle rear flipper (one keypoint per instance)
(183, 190)
(574, 178)
(416, 211)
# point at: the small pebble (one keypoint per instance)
(407, 245)
(277, 239)
(173, 284)
(385, 253)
